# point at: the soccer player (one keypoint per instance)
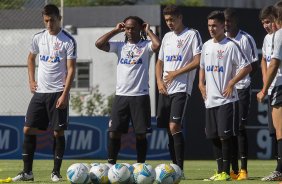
(220, 58)
(179, 56)
(248, 46)
(49, 104)
(132, 100)
(274, 77)
(267, 20)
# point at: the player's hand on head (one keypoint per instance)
(33, 86)
(120, 27)
(146, 27)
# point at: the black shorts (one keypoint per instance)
(136, 109)
(271, 128)
(222, 121)
(243, 106)
(42, 112)
(276, 96)
(171, 108)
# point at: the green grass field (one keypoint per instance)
(195, 170)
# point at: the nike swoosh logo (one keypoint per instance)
(176, 117)
(243, 119)
(226, 131)
(61, 125)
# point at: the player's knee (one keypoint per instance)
(29, 131)
(59, 133)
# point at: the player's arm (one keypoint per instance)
(263, 65)
(171, 75)
(31, 72)
(155, 40)
(202, 86)
(242, 73)
(270, 75)
(62, 102)
(159, 74)
(103, 42)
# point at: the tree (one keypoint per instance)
(93, 104)
(183, 2)
(15, 4)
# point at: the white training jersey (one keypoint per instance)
(249, 48)
(132, 67)
(220, 62)
(177, 51)
(267, 49)
(277, 53)
(53, 50)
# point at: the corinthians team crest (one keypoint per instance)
(57, 46)
(180, 43)
(220, 54)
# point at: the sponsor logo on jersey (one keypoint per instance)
(174, 58)
(220, 54)
(50, 59)
(130, 61)
(213, 68)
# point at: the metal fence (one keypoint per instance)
(16, 34)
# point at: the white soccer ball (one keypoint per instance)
(99, 174)
(119, 174)
(144, 174)
(164, 174)
(131, 169)
(78, 174)
(109, 165)
(94, 164)
(178, 173)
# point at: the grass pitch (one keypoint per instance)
(195, 170)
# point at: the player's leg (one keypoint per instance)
(140, 111)
(36, 118)
(178, 103)
(244, 103)
(227, 127)
(118, 124)
(212, 134)
(163, 114)
(58, 123)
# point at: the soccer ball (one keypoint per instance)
(178, 173)
(144, 174)
(78, 174)
(99, 174)
(131, 169)
(119, 174)
(94, 164)
(109, 165)
(164, 174)
(88, 166)
(136, 164)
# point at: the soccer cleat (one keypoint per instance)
(55, 176)
(23, 176)
(212, 178)
(222, 177)
(243, 175)
(233, 175)
(274, 176)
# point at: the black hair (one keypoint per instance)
(231, 13)
(172, 10)
(51, 9)
(140, 22)
(218, 15)
(267, 12)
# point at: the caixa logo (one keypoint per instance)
(157, 145)
(82, 140)
(9, 139)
